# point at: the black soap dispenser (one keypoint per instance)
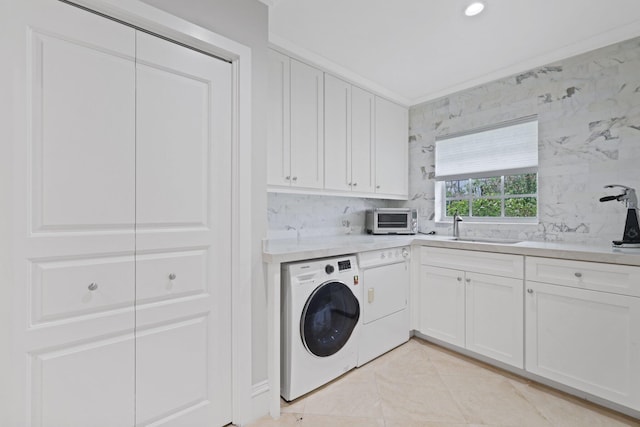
(631, 237)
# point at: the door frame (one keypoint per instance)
(149, 18)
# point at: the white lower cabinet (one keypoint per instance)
(584, 338)
(477, 311)
(442, 304)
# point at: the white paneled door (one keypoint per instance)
(183, 236)
(121, 303)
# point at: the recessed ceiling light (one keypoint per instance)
(474, 8)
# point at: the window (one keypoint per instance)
(490, 174)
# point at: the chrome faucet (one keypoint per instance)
(456, 227)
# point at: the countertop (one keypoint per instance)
(288, 250)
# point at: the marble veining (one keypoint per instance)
(588, 109)
(303, 215)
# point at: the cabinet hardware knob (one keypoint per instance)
(355, 184)
(172, 276)
(93, 286)
(577, 274)
(349, 184)
(459, 279)
(530, 290)
(287, 178)
(295, 178)
(468, 280)
(378, 187)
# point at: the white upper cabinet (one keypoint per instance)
(348, 128)
(326, 136)
(337, 133)
(278, 131)
(362, 148)
(296, 124)
(392, 155)
(307, 129)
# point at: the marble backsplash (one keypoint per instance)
(588, 109)
(301, 215)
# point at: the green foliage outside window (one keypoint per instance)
(513, 196)
(486, 207)
(522, 207)
(461, 207)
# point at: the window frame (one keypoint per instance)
(470, 171)
(470, 197)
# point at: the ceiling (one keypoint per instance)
(418, 50)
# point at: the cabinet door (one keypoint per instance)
(494, 317)
(392, 158)
(442, 304)
(278, 131)
(362, 151)
(585, 339)
(337, 134)
(307, 126)
(183, 212)
(71, 351)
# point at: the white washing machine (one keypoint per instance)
(320, 322)
(385, 276)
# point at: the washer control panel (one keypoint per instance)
(344, 265)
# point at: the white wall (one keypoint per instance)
(244, 21)
(588, 109)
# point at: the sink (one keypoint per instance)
(486, 240)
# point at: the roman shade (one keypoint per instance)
(505, 149)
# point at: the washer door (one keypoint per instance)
(329, 317)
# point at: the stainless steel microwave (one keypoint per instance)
(392, 221)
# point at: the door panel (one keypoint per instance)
(85, 385)
(278, 132)
(495, 318)
(585, 339)
(73, 87)
(173, 125)
(171, 275)
(391, 148)
(83, 131)
(385, 290)
(307, 126)
(442, 304)
(183, 212)
(362, 149)
(337, 134)
(72, 287)
(172, 377)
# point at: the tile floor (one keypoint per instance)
(421, 384)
